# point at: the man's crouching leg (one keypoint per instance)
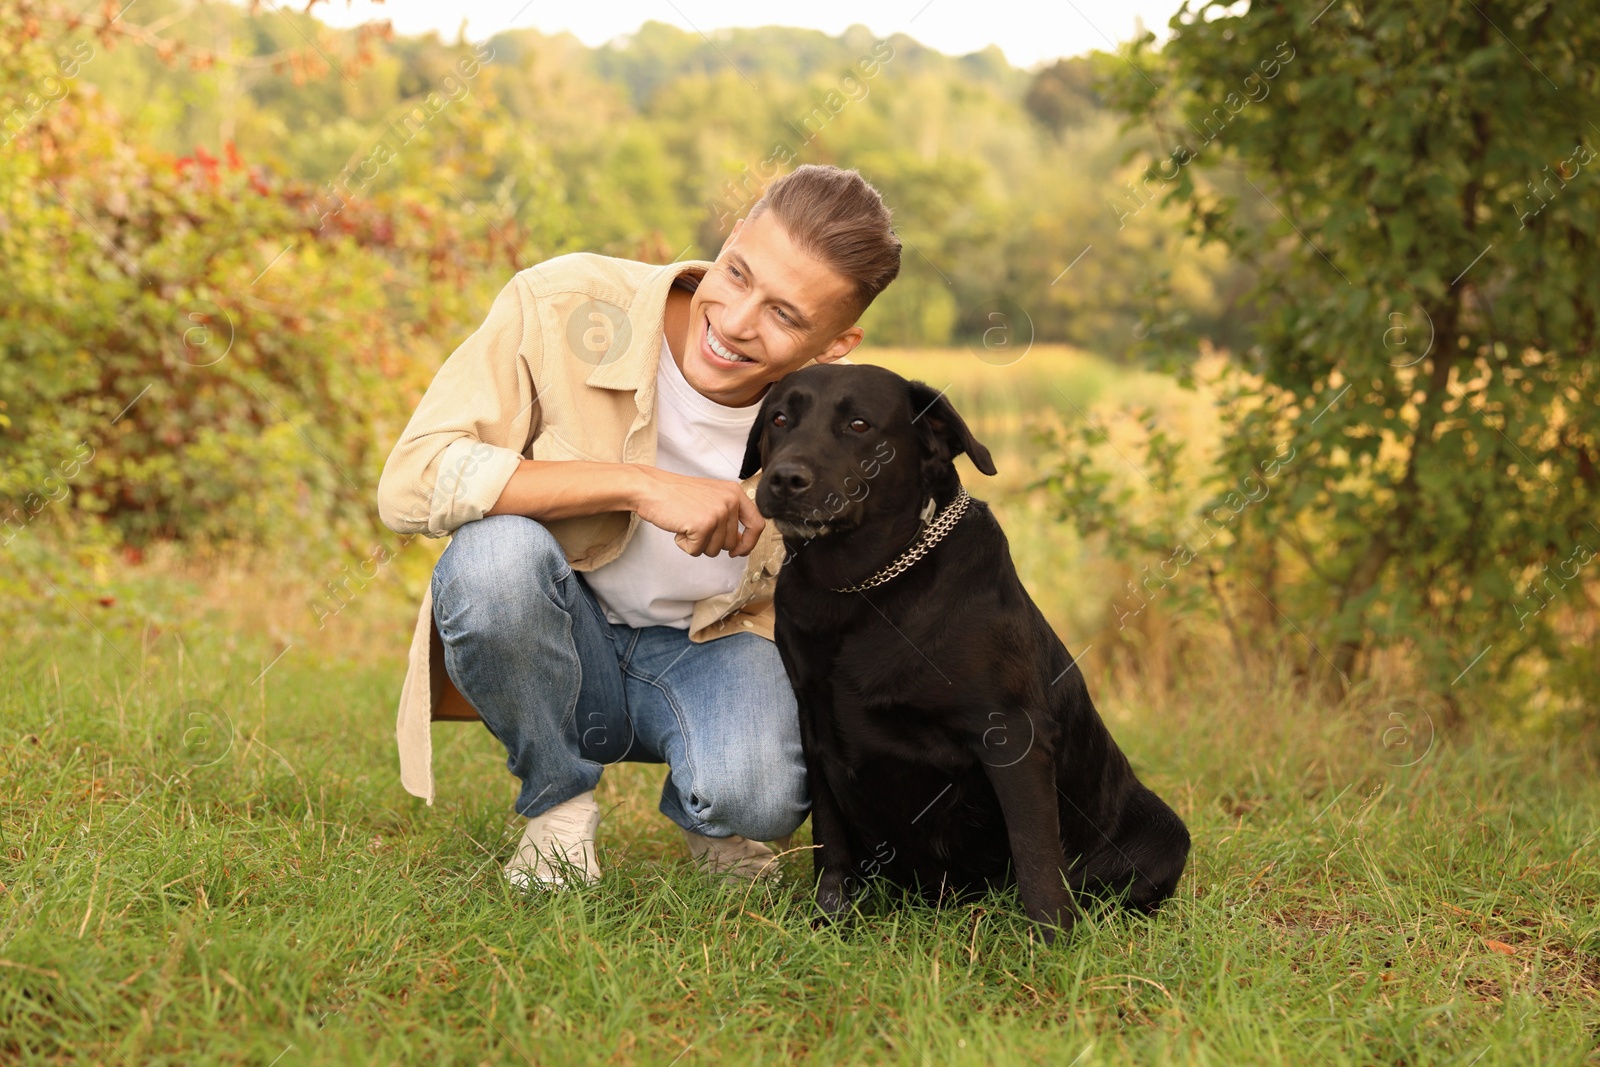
(528, 651)
(723, 715)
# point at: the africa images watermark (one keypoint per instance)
(1232, 106)
(1553, 584)
(53, 490)
(1230, 507)
(1566, 170)
(339, 593)
(739, 193)
(817, 523)
(356, 178)
(53, 88)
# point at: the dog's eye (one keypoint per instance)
(780, 419)
(860, 425)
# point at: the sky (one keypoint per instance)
(1029, 32)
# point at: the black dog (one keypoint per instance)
(949, 741)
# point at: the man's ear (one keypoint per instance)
(943, 433)
(755, 446)
(733, 236)
(842, 345)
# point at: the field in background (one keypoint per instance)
(206, 856)
(1003, 403)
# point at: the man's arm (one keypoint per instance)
(468, 432)
(460, 457)
(704, 513)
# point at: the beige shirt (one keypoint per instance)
(654, 582)
(563, 368)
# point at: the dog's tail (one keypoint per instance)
(1144, 858)
(1156, 842)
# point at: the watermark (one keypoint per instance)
(854, 487)
(883, 854)
(598, 332)
(1404, 732)
(597, 736)
(356, 178)
(202, 733)
(834, 503)
(1551, 583)
(52, 89)
(52, 490)
(1000, 741)
(341, 592)
(1400, 347)
(1007, 332)
(203, 336)
(739, 193)
(1212, 521)
(1566, 170)
(1233, 104)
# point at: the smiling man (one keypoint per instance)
(607, 591)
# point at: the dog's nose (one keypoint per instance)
(789, 479)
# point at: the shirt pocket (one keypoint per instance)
(551, 445)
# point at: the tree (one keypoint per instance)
(1428, 347)
(1063, 94)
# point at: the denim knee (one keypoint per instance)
(495, 571)
(762, 805)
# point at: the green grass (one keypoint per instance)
(257, 888)
(289, 903)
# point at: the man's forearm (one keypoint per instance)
(565, 489)
(705, 515)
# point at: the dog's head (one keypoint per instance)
(832, 438)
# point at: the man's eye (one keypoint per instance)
(735, 272)
(780, 419)
(784, 315)
(860, 425)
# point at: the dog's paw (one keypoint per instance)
(833, 900)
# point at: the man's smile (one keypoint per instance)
(719, 353)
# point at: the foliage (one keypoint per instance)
(1427, 339)
(195, 348)
(651, 147)
(236, 246)
(1063, 95)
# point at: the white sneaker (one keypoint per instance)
(557, 848)
(735, 858)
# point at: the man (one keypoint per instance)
(607, 591)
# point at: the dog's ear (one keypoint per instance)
(755, 445)
(943, 433)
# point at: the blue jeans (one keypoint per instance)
(568, 692)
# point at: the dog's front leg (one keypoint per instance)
(831, 858)
(1027, 793)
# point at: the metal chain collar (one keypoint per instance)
(932, 535)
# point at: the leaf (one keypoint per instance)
(1499, 946)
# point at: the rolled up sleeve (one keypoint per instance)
(471, 427)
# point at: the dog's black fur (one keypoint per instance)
(949, 740)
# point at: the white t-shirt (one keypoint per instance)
(654, 582)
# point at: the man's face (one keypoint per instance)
(769, 306)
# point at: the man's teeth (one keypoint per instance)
(711, 340)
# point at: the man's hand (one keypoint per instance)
(704, 514)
